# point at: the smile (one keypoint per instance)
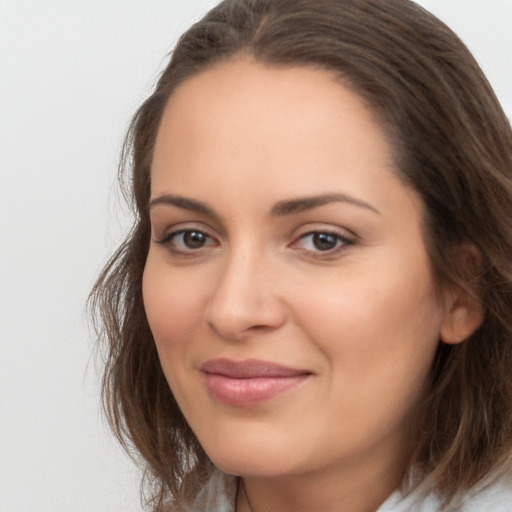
(251, 382)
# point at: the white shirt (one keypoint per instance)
(219, 495)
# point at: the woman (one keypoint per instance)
(313, 309)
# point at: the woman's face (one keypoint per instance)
(287, 284)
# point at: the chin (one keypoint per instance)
(259, 461)
(251, 468)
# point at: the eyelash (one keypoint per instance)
(341, 243)
(168, 241)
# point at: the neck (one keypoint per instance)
(359, 487)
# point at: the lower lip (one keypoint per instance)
(251, 391)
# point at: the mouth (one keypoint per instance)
(250, 382)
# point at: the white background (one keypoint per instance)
(71, 75)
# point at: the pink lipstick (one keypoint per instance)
(249, 382)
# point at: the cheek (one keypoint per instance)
(381, 324)
(173, 305)
(380, 344)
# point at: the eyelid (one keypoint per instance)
(321, 227)
(172, 229)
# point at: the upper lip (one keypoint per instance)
(250, 369)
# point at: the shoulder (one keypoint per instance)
(219, 495)
(492, 497)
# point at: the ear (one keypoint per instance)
(463, 311)
(461, 321)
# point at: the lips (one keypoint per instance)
(250, 382)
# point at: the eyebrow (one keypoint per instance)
(182, 202)
(303, 204)
(280, 209)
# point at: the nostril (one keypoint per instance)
(232, 326)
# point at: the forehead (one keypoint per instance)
(251, 131)
(242, 89)
(244, 107)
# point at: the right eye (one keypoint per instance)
(186, 241)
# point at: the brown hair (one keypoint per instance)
(453, 145)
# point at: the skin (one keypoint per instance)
(363, 318)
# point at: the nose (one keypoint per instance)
(245, 300)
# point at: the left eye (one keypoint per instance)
(322, 241)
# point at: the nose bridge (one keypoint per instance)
(245, 297)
